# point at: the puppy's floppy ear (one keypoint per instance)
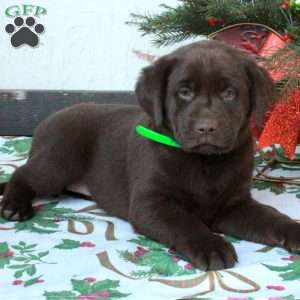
(151, 88)
(262, 90)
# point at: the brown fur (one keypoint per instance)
(202, 95)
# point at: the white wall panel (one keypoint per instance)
(86, 46)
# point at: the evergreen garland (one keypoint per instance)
(193, 18)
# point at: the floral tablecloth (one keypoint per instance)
(73, 250)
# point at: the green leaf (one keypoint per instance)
(277, 189)
(104, 285)
(231, 239)
(17, 247)
(31, 281)
(3, 247)
(31, 270)
(147, 243)
(116, 294)
(4, 261)
(290, 276)
(22, 243)
(46, 223)
(160, 263)
(33, 257)
(26, 251)
(63, 295)
(4, 177)
(19, 258)
(30, 246)
(68, 244)
(19, 266)
(289, 297)
(20, 146)
(278, 269)
(127, 256)
(41, 230)
(19, 273)
(81, 286)
(2, 221)
(140, 274)
(42, 254)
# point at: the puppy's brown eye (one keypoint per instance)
(228, 94)
(186, 93)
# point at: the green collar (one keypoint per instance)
(156, 137)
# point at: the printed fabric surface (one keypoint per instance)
(73, 250)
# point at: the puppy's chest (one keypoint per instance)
(204, 191)
(203, 179)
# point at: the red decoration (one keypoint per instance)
(213, 21)
(288, 38)
(286, 4)
(282, 127)
(254, 39)
(281, 122)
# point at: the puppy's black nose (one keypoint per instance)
(206, 127)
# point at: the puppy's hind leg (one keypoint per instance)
(38, 177)
(18, 195)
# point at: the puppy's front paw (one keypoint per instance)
(212, 254)
(16, 210)
(291, 239)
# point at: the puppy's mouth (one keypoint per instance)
(207, 149)
(206, 146)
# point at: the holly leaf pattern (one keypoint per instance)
(47, 218)
(143, 241)
(288, 272)
(63, 295)
(18, 147)
(4, 257)
(89, 289)
(31, 281)
(159, 260)
(81, 286)
(104, 285)
(67, 244)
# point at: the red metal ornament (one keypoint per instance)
(282, 122)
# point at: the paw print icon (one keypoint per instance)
(24, 32)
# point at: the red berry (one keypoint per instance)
(175, 258)
(9, 253)
(292, 258)
(189, 266)
(103, 294)
(90, 279)
(140, 251)
(288, 38)
(212, 22)
(87, 244)
(275, 287)
(97, 295)
(17, 282)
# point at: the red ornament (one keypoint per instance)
(213, 21)
(283, 125)
(288, 38)
(286, 4)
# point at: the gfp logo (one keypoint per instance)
(25, 29)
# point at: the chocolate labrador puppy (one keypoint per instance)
(201, 95)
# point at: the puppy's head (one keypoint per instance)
(204, 94)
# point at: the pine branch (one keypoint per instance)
(191, 17)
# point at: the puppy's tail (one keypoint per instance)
(2, 187)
